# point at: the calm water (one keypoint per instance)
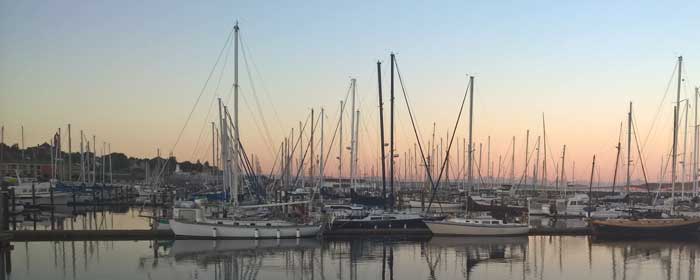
(437, 258)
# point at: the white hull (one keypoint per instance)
(463, 229)
(262, 231)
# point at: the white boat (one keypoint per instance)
(485, 226)
(41, 196)
(190, 222)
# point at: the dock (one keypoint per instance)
(68, 235)
(135, 234)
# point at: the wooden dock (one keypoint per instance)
(67, 235)
(63, 235)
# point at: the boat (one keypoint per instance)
(482, 226)
(666, 226)
(190, 219)
(32, 193)
(630, 227)
(191, 222)
(384, 222)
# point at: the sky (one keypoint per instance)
(130, 72)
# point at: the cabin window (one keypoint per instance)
(235, 224)
(252, 224)
(494, 222)
(268, 224)
(219, 223)
(389, 218)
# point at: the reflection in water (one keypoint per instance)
(437, 258)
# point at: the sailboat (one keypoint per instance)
(670, 226)
(386, 221)
(190, 218)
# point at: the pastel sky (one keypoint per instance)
(131, 71)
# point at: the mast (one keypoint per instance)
(471, 121)
(527, 155)
(675, 136)
(102, 160)
(488, 161)
(236, 133)
(340, 146)
(536, 167)
(311, 142)
(391, 133)
(695, 147)
(357, 130)
(353, 141)
(94, 159)
(213, 149)
(82, 159)
(381, 131)
(563, 158)
(685, 146)
(70, 156)
(544, 160)
(109, 157)
(224, 149)
(590, 187)
(629, 146)
(321, 163)
(617, 157)
(512, 164)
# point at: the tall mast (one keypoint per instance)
(488, 161)
(527, 155)
(563, 158)
(675, 135)
(340, 146)
(695, 147)
(82, 159)
(544, 160)
(94, 159)
(213, 149)
(353, 141)
(109, 157)
(224, 148)
(357, 132)
(590, 187)
(70, 156)
(617, 157)
(236, 133)
(629, 146)
(512, 164)
(685, 146)
(471, 121)
(311, 142)
(391, 133)
(321, 163)
(381, 131)
(537, 163)
(22, 148)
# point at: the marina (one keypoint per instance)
(324, 141)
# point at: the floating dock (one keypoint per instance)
(132, 234)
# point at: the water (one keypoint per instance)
(438, 258)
